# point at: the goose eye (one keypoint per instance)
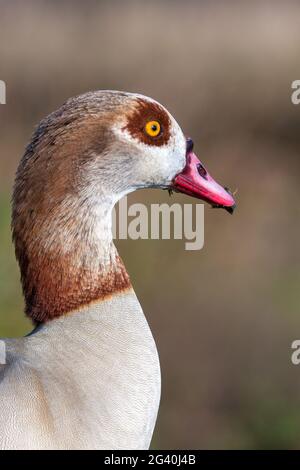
(153, 128)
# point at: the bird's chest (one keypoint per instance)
(103, 387)
(110, 404)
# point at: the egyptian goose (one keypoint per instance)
(88, 376)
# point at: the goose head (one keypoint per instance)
(81, 160)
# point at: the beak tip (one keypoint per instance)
(231, 209)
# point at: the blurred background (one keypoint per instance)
(224, 317)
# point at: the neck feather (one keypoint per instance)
(67, 257)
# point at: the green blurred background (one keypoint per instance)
(223, 317)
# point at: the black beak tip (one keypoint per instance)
(230, 209)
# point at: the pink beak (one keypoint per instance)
(195, 181)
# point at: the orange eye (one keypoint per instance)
(153, 128)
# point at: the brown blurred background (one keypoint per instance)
(223, 317)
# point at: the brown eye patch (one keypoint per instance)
(143, 113)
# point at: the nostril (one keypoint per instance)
(189, 145)
(202, 171)
(228, 190)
